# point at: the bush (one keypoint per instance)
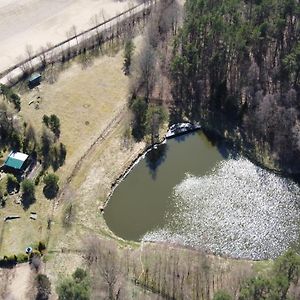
(37, 180)
(128, 52)
(22, 258)
(41, 247)
(15, 99)
(79, 275)
(8, 261)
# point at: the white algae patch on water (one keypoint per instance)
(239, 210)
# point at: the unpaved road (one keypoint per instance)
(17, 282)
(38, 22)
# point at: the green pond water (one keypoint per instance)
(191, 192)
(143, 200)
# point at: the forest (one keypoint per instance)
(236, 69)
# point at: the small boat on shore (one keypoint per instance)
(181, 128)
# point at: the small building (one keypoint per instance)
(34, 80)
(16, 162)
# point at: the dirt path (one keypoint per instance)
(104, 133)
(119, 116)
(18, 282)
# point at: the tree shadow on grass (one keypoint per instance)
(27, 200)
(50, 192)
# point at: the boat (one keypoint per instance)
(181, 128)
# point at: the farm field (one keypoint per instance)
(37, 23)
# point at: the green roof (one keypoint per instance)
(14, 163)
(15, 160)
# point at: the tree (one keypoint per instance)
(16, 100)
(128, 52)
(106, 268)
(28, 193)
(47, 141)
(62, 153)
(29, 54)
(139, 108)
(2, 199)
(53, 123)
(75, 288)
(29, 143)
(16, 141)
(154, 119)
(11, 96)
(51, 185)
(146, 78)
(43, 285)
(228, 53)
(285, 271)
(79, 275)
(257, 288)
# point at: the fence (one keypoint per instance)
(93, 37)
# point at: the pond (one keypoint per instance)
(191, 192)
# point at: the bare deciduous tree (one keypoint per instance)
(106, 268)
(29, 55)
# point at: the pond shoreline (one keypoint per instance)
(123, 174)
(130, 220)
(237, 142)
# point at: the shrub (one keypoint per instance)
(15, 99)
(22, 258)
(8, 261)
(79, 275)
(41, 247)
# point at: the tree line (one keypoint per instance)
(87, 43)
(114, 272)
(236, 68)
(148, 71)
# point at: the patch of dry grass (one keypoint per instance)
(85, 100)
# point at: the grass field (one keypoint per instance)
(86, 100)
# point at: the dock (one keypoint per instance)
(181, 128)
